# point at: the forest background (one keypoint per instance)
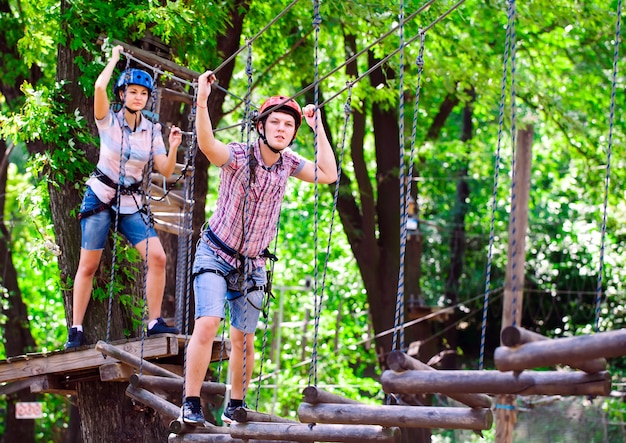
(52, 51)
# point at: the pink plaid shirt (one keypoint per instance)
(263, 199)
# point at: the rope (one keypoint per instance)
(148, 224)
(258, 34)
(317, 302)
(513, 257)
(364, 50)
(483, 328)
(116, 224)
(399, 314)
(184, 284)
(608, 163)
(246, 211)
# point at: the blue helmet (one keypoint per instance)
(133, 77)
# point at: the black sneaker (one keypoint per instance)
(161, 328)
(75, 339)
(189, 416)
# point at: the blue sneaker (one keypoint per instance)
(75, 339)
(228, 416)
(190, 417)
(161, 328)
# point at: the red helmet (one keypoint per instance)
(281, 103)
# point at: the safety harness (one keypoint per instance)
(135, 188)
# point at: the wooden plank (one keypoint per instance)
(496, 382)
(84, 358)
(402, 416)
(116, 372)
(319, 432)
(51, 384)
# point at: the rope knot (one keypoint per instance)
(317, 20)
(419, 61)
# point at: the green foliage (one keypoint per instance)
(43, 118)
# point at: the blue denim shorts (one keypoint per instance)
(95, 228)
(211, 290)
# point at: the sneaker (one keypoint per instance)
(161, 328)
(228, 416)
(75, 339)
(189, 416)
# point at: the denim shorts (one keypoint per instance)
(95, 228)
(211, 291)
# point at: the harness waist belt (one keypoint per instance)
(130, 189)
(230, 251)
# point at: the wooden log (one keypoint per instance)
(135, 361)
(399, 361)
(314, 395)
(179, 427)
(512, 336)
(318, 432)
(214, 438)
(496, 382)
(568, 350)
(174, 385)
(243, 415)
(163, 407)
(401, 416)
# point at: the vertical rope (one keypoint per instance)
(398, 332)
(247, 216)
(608, 164)
(514, 257)
(148, 222)
(117, 216)
(188, 191)
(317, 20)
(495, 186)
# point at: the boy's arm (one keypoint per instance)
(326, 163)
(216, 151)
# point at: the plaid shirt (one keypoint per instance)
(136, 153)
(263, 198)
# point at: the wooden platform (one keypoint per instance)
(58, 371)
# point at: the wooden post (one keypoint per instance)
(399, 361)
(318, 432)
(513, 336)
(401, 416)
(506, 416)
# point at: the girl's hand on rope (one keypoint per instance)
(175, 137)
(309, 114)
(204, 87)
